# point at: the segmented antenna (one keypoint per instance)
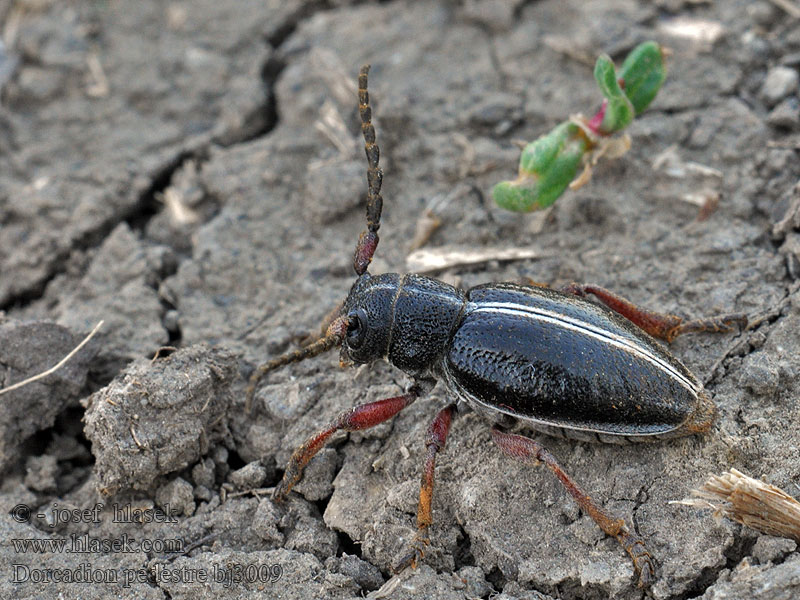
(365, 249)
(334, 337)
(368, 240)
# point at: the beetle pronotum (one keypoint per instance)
(549, 358)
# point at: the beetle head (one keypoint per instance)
(368, 314)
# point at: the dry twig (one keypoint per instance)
(440, 259)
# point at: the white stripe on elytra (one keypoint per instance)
(599, 333)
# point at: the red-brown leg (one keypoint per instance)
(663, 326)
(531, 452)
(435, 439)
(360, 417)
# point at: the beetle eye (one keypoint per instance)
(356, 329)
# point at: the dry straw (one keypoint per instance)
(55, 367)
(750, 502)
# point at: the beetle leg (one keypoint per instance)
(435, 439)
(663, 326)
(363, 416)
(531, 452)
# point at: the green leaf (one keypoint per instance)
(619, 110)
(547, 167)
(550, 163)
(642, 74)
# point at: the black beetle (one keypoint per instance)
(557, 362)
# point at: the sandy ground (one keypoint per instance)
(192, 174)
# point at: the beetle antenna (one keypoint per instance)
(332, 338)
(368, 240)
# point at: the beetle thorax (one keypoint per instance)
(406, 318)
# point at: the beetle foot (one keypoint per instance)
(414, 555)
(642, 560)
(288, 481)
(646, 570)
(723, 324)
(281, 491)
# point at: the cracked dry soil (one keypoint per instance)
(192, 173)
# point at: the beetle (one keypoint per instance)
(551, 359)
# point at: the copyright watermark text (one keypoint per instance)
(229, 575)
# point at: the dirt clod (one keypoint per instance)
(188, 391)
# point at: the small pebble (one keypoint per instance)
(250, 476)
(786, 115)
(779, 83)
(176, 497)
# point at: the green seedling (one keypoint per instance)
(549, 164)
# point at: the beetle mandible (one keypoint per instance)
(550, 358)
